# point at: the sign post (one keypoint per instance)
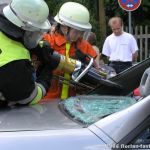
(129, 5)
(129, 21)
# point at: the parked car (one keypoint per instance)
(80, 123)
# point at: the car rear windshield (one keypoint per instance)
(89, 109)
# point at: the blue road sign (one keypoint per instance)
(129, 5)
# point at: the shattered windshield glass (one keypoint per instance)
(89, 109)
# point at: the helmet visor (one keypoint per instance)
(74, 34)
(31, 39)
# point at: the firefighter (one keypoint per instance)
(22, 24)
(73, 21)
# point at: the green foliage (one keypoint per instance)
(139, 16)
(54, 6)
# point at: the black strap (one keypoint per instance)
(79, 55)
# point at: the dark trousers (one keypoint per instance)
(120, 66)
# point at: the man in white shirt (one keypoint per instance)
(120, 47)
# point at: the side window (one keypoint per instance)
(142, 141)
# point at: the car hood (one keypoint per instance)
(44, 116)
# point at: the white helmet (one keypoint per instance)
(74, 15)
(30, 15)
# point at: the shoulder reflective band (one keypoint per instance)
(65, 87)
(11, 50)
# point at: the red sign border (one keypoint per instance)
(127, 9)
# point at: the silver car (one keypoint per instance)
(79, 123)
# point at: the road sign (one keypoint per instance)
(129, 5)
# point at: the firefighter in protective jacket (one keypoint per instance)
(22, 24)
(73, 21)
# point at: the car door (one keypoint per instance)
(124, 126)
(139, 137)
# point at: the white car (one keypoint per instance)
(73, 125)
(82, 122)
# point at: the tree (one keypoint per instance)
(102, 22)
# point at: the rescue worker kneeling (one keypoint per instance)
(73, 21)
(22, 24)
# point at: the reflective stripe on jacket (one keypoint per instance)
(11, 50)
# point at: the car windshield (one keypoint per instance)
(89, 109)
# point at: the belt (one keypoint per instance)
(121, 62)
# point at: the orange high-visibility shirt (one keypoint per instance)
(58, 43)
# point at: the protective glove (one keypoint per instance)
(46, 51)
(80, 56)
(48, 55)
(44, 77)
